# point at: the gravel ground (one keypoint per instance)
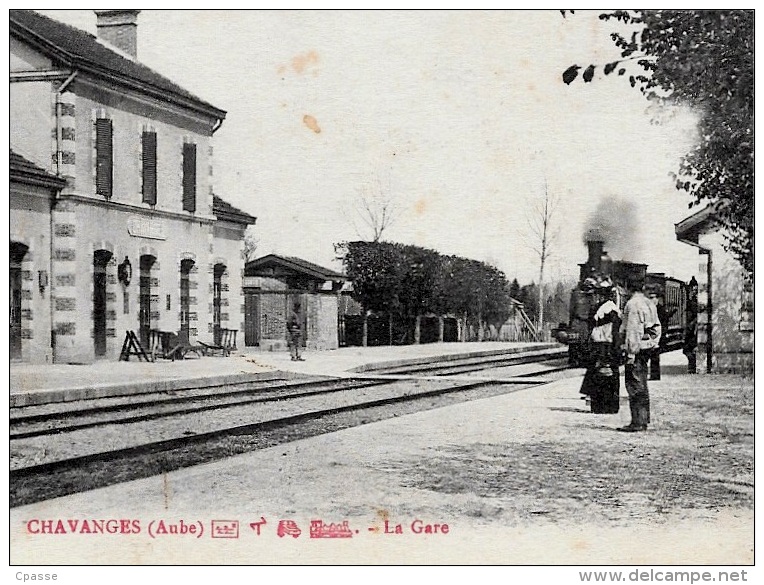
(524, 478)
(697, 458)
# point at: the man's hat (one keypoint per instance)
(653, 289)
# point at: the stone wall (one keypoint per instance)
(30, 226)
(732, 327)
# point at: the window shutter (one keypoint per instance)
(150, 167)
(189, 177)
(104, 162)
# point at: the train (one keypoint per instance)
(599, 265)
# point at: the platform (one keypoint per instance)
(40, 384)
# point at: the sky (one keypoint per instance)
(460, 117)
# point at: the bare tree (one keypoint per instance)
(542, 234)
(249, 252)
(375, 209)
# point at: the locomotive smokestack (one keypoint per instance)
(616, 223)
(596, 249)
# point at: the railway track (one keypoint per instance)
(478, 363)
(35, 421)
(83, 446)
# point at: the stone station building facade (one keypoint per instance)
(115, 225)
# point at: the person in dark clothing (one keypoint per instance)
(691, 328)
(294, 334)
(587, 358)
(606, 351)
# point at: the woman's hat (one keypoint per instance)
(605, 284)
(589, 285)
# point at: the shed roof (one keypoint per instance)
(290, 265)
(81, 50)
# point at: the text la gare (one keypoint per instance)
(416, 527)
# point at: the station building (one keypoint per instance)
(115, 224)
(725, 320)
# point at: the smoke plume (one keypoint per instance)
(616, 223)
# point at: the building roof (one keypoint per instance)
(23, 170)
(224, 210)
(81, 50)
(294, 265)
(698, 223)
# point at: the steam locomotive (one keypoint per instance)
(599, 265)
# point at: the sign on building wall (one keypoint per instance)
(144, 227)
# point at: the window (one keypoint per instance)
(189, 177)
(104, 154)
(149, 156)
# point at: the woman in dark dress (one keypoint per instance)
(586, 357)
(602, 373)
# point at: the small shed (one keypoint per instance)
(274, 285)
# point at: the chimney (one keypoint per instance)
(596, 249)
(119, 28)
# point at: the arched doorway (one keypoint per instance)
(217, 300)
(144, 298)
(185, 297)
(18, 251)
(100, 261)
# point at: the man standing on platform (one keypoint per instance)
(294, 333)
(641, 332)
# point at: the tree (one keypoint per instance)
(375, 209)
(497, 300)
(514, 289)
(249, 252)
(529, 296)
(410, 282)
(419, 285)
(703, 59)
(558, 302)
(377, 270)
(542, 235)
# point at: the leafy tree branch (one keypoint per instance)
(702, 59)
